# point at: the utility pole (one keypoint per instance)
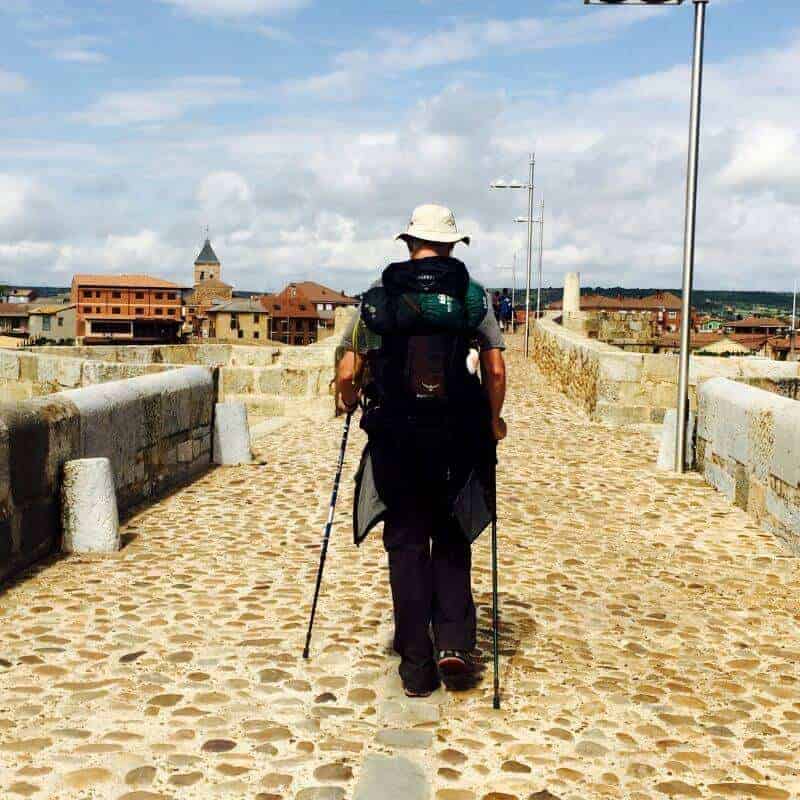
(690, 236)
(530, 187)
(541, 253)
(794, 322)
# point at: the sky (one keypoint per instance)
(303, 133)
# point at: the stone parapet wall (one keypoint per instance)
(748, 447)
(209, 355)
(271, 380)
(155, 429)
(620, 388)
(26, 374)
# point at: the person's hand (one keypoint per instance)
(344, 408)
(499, 429)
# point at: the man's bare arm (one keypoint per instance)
(345, 381)
(493, 372)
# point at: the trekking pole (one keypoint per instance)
(495, 601)
(328, 527)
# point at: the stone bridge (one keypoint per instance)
(650, 641)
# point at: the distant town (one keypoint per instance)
(141, 309)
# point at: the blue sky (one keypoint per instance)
(303, 132)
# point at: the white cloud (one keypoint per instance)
(76, 49)
(237, 8)
(321, 196)
(12, 82)
(397, 52)
(28, 211)
(162, 104)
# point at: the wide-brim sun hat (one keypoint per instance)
(433, 223)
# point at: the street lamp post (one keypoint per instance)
(540, 223)
(529, 186)
(691, 213)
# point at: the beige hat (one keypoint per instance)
(433, 223)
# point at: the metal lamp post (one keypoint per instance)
(540, 223)
(529, 186)
(691, 212)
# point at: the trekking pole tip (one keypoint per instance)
(496, 703)
(305, 654)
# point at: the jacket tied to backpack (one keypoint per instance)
(425, 413)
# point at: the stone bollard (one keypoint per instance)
(666, 452)
(231, 434)
(89, 507)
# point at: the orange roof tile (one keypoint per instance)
(124, 281)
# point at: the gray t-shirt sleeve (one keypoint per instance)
(490, 337)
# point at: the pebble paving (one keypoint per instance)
(650, 641)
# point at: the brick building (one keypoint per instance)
(126, 308)
(295, 319)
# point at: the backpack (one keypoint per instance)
(424, 412)
(424, 317)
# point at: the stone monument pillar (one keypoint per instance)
(572, 293)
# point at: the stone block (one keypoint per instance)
(89, 507)
(231, 434)
(385, 777)
(625, 367)
(614, 414)
(666, 452)
(9, 365)
(269, 380)
(185, 452)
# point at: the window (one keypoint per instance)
(116, 310)
(97, 295)
(171, 312)
(234, 322)
(172, 296)
(87, 309)
(329, 306)
(86, 294)
(241, 334)
(97, 309)
(159, 312)
(60, 322)
(159, 295)
(202, 276)
(140, 295)
(139, 312)
(256, 335)
(111, 327)
(116, 295)
(256, 318)
(320, 306)
(46, 322)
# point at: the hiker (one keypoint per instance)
(411, 361)
(496, 305)
(506, 310)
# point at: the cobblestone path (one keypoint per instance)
(651, 641)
